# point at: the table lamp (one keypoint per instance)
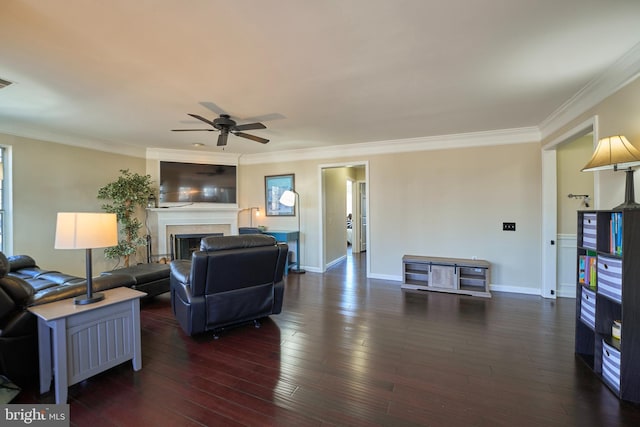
(86, 230)
(616, 152)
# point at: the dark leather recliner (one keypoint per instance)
(18, 338)
(229, 281)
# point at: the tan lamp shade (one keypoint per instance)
(86, 230)
(613, 152)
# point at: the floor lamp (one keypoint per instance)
(617, 153)
(288, 198)
(251, 213)
(86, 230)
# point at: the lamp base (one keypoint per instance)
(88, 299)
(629, 193)
(627, 205)
(296, 270)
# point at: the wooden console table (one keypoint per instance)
(287, 236)
(87, 339)
(454, 275)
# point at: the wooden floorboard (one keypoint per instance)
(352, 351)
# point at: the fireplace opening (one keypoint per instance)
(183, 245)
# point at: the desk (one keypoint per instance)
(87, 339)
(287, 236)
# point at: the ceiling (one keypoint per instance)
(123, 73)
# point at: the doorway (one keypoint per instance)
(335, 182)
(553, 260)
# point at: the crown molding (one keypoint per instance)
(473, 139)
(107, 147)
(619, 74)
(192, 156)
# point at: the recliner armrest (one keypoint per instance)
(181, 271)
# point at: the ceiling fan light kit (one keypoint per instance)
(226, 125)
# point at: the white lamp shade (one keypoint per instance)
(613, 152)
(86, 230)
(288, 198)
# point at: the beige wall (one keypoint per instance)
(440, 203)
(50, 178)
(335, 206)
(452, 203)
(571, 158)
(617, 114)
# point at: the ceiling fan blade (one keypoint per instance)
(213, 107)
(251, 137)
(207, 121)
(222, 138)
(250, 126)
(190, 130)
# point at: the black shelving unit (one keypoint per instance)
(615, 295)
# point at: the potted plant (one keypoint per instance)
(128, 193)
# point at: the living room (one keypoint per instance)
(437, 195)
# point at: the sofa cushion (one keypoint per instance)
(221, 243)
(142, 273)
(18, 262)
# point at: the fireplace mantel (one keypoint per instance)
(159, 220)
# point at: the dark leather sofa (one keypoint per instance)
(24, 284)
(229, 281)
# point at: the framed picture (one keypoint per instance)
(274, 186)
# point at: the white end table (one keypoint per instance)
(84, 340)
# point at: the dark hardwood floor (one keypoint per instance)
(351, 351)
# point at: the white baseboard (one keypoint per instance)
(516, 289)
(567, 290)
(335, 261)
(385, 277)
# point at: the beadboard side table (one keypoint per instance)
(76, 342)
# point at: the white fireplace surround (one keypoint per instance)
(201, 217)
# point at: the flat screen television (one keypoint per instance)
(197, 183)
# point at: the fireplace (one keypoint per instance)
(186, 244)
(203, 218)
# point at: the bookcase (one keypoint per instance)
(454, 275)
(608, 290)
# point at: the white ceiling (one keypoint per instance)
(123, 73)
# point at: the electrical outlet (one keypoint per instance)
(508, 226)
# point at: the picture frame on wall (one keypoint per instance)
(274, 186)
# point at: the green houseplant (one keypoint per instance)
(126, 194)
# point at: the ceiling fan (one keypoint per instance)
(226, 125)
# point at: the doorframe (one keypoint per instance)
(359, 231)
(321, 206)
(550, 202)
(355, 236)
